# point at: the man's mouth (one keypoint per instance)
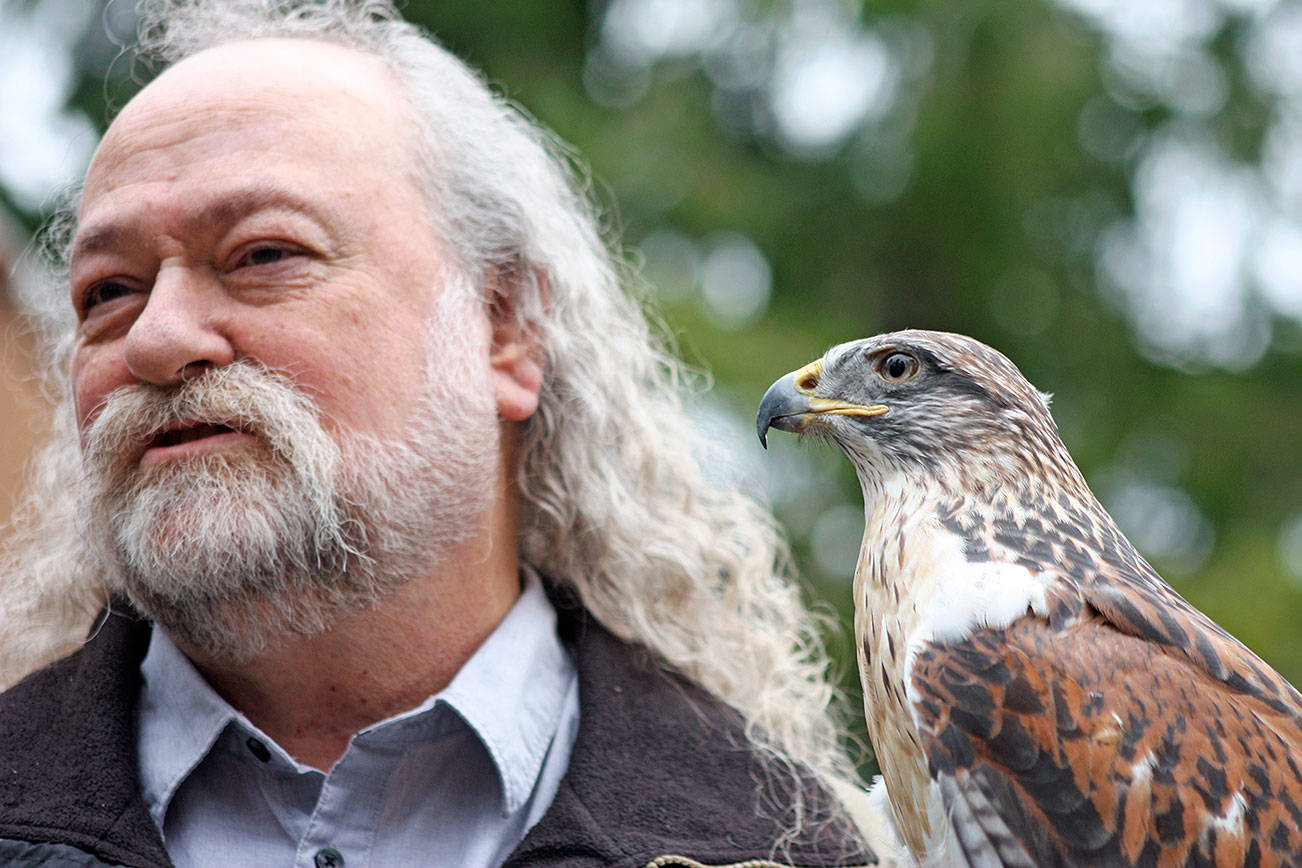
(188, 432)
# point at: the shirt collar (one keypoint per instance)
(180, 717)
(511, 693)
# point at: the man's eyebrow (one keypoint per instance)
(261, 197)
(97, 239)
(227, 209)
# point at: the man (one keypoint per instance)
(393, 505)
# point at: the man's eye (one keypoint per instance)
(266, 255)
(102, 292)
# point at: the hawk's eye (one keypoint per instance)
(898, 367)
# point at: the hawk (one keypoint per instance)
(1036, 694)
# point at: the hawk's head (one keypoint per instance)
(917, 400)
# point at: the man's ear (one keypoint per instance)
(516, 355)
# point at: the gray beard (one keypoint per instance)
(230, 553)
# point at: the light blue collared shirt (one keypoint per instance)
(456, 781)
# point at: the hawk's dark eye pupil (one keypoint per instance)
(898, 366)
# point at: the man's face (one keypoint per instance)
(257, 202)
(254, 212)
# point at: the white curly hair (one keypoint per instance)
(615, 501)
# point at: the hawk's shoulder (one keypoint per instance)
(1082, 743)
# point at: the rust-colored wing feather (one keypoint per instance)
(1085, 745)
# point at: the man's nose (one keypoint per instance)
(178, 334)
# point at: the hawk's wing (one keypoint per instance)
(1082, 744)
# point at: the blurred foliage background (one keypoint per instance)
(1109, 192)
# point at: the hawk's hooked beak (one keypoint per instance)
(790, 403)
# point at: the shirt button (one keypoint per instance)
(258, 749)
(329, 857)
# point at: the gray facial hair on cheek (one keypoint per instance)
(194, 537)
(230, 552)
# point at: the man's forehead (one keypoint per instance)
(260, 98)
(319, 81)
(252, 63)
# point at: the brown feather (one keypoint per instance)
(1117, 749)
